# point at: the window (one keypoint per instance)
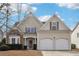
(77, 35)
(54, 25)
(13, 40)
(27, 30)
(30, 30)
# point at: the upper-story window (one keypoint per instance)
(54, 25)
(77, 35)
(30, 30)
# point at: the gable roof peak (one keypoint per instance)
(30, 13)
(56, 15)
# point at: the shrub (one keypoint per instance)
(73, 46)
(4, 41)
(15, 46)
(4, 47)
(25, 47)
(35, 46)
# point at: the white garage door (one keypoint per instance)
(46, 44)
(61, 44)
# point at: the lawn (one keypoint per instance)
(21, 53)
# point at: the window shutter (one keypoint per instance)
(25, 30)
(57, 25)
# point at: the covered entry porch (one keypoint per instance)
(30, 43)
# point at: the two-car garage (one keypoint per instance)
(54, 44)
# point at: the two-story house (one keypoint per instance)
(51, 35)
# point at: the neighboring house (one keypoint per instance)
(50, 35)
(75, 36)
(1, 35)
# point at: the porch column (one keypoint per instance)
(35, 40)
(24, 41)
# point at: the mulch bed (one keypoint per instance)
(75, 50)
(21, 53)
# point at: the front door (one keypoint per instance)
(30, 44)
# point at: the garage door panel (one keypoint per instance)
(58, 44)
(61, 44)
(46, 44)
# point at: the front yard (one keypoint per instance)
(20, 53)
(74, 52)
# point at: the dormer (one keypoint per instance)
(54, 23)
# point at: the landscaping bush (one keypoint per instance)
(4, 47)
(73, 46)
(25, 47)
(15, 46)
(35, 46)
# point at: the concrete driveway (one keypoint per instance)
(60, 53)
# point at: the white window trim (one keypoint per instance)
(17, 38)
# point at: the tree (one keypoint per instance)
(4, 40)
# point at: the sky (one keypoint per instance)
(69, 13)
